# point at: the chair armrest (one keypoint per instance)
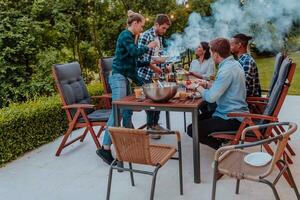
(252, 144)
(263, 103)
(85, 106)
(253, 116)
(104, 96)
(257, 99)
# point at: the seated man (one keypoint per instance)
(239, 48)
(228, 91)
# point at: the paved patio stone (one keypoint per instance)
(80, 174)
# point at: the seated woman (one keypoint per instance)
(203, 67)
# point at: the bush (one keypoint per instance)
(24, 127)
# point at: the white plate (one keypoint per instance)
(258, 159)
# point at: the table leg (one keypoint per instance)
(116, 112)
(196, 149)
(168, 120)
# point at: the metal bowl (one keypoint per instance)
(160, 94)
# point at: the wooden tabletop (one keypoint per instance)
(172, 103)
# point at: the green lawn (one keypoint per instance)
(266, 66)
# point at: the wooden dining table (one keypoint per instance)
(175, 104)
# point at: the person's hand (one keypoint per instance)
(200, 89)
(154, 62)
(156, 69)
(152, 44)
(191, 86)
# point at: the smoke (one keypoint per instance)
(267, 21)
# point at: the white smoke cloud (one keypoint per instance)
(268, 21)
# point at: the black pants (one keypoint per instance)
(208, 124)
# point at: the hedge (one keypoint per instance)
(26, 126)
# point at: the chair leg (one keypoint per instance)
(94, 136)
(184, 121)
(100, 131)
(180, 167)
(121, 165)
(131, 175)
(84, 134)
(288, 146)
(109, 181)
(293, 183)
(90, 128)
(288, 158)
(237, 187)
(64, 140)
(272, 186)
(153, 182)
(214, 185)
(278, 164)
(285, 174)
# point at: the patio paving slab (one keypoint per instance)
(80, 174)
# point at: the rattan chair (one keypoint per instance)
(133, 146)
(270, 113)
(229, 160)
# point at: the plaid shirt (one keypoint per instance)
(251, 74)
(145, 73)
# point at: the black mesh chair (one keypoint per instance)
(252, 100)
(105, 68)
(77, 104)
(278, 61)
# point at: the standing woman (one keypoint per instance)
(123, 72)
(203, 67)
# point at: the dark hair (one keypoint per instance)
(242, 38)
(221, 46)
(132, 17)
(206, 48)
(162, 19)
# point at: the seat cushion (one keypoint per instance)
(233, 164)
(97, 116)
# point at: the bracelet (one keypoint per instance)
(206, 84)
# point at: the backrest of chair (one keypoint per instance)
(278, 93)
(278, 61)
(131, 145)
(105, 68)
(70, 85)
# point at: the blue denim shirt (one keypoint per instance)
(228, 90)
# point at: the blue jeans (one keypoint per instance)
(120, 87)
(152, 116)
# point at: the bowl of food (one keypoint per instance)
(160, 93)
(160, 59)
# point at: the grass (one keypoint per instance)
(266, 67)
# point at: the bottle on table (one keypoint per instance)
(172, 74)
